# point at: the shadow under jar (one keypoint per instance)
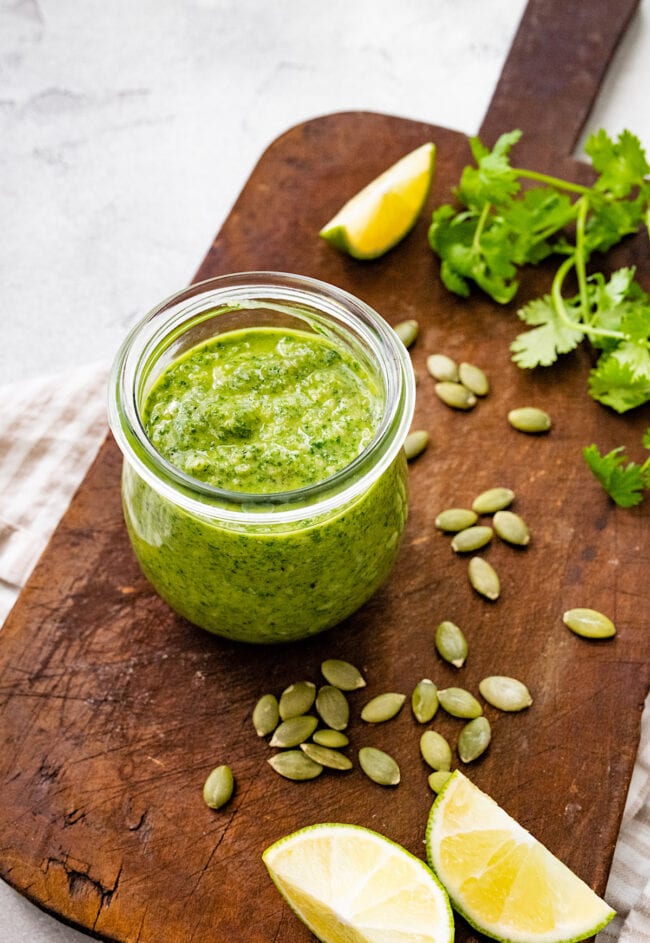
(261, 417)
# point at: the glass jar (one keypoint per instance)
(263, 567)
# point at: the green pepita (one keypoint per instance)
(437, 779)
(218, 787)
(415, 443)
(435, 750)
(383, 707)
(474, 739)
(453, 520)
(325, 756)
(407, 331)
(293, 731)
(297, 699)
(511, 528)
(442, 368)
(504, 693)
(266, 715)
(589, 623)
(529, 419)
(455, 395)
(459, 703)
(295, 765)
(342, 674)
(484, 578)
(424, 701)
(492, 500)
(326, 737)
(451, 643)
(473, 379)
(472, 538)
(378, 766)
(332, 707)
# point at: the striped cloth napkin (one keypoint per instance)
(50, 430)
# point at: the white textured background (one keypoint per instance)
(128, 128)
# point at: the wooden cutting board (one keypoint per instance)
(113, 710)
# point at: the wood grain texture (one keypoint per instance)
(113, 710)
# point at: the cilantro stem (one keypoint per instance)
(480, 226)
(556, 182)
(580, 255)
(561, 309)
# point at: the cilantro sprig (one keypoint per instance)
(624, 481)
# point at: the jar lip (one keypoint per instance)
(250, 289)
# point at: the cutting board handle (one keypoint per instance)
(555, 67)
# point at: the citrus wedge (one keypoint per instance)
(501, 879)
(352, 885)
(381, 214)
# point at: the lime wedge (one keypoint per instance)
(501, 879)
(352, 885)
(381, 214)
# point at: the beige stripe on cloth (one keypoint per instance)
(50, 430)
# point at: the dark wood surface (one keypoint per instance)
(113, 711)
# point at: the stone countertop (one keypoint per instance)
(128, 130)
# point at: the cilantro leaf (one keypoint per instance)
(492, 180)
(541, 346)
(624, 483)
(621, 379)
(621, 164)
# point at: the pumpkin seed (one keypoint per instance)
(331, 759)
(326, 737)
(296, 765)
(511, 528)
(438, 778)
(492, 500)
(407, 331)
(266, 715)
(455, 395)
(529, 419)
(474, 739)
(589, 623)
(451, 643)
(504, 693)
(342, 674)
(473, 379)
(442, 368)
(435, 750)
(424, 701)
(218, 787)
(297, 699)
(459, 703)
(415, 443)
(383, 707)
(332, 707)
(484, 578)
(471, 538)
(293, 731)
(379, 766)
(455, 519)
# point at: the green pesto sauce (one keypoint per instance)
(263, 410)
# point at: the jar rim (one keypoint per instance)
(262, 289)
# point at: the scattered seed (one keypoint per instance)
(342, 674)
(442, 368)
(589, 623)
(504, 693)
(473, 379)
(296, 765)
(383, 707)
(455, 395)
(459, 703)
(484, 578)
(326, 737)
(471, 538)
(451, 643)
(266, 715)
(379, 766)
(297, 699)
(511, 528)
(293, 731)
(332, 707)
(455, 519)
(407, 331)
(529, 419)
(424, 701)
(218, 787)
(492, 500)
(474, 739)
(438, 778)
(415, 443)
(331, 759)
(435, 750)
